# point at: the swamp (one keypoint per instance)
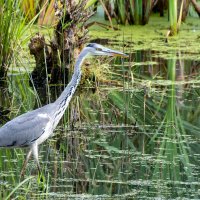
(132, 128)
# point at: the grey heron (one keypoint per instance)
(34, 127)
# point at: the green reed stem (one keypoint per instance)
(122, 11)
(173, 16)
(18, 186)
(138, 11)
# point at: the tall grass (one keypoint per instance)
(12, 24)
(133, 11)
(29, 8)
(116, 158)
(11, 160)
(138, 12)
(173, 162)
(121, 10)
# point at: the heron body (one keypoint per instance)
(34, 127)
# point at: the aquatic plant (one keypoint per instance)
(131, 137)
(133, 11)
(173, 151)
(128, 133)
(12, 26)
(120, 7)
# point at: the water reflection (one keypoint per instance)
(135, 138)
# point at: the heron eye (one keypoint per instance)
(98, 49)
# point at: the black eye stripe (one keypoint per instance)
(98, 49)
(90, 45)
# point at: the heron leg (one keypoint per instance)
(35, 154)
(25, 162)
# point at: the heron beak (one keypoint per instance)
(116, 53)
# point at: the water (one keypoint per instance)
(135, 135)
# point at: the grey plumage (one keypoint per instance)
(34, 127)
(25, 129)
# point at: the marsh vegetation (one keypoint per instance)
(131, 130)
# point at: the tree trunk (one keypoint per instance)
(53, 60)
(196, 6)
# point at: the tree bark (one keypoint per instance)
(53, 60)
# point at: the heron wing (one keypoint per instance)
(24, 129)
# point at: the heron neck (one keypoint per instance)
(68, 92)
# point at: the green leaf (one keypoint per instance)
(18, 186)
(90, 3)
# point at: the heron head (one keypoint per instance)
(99, 50)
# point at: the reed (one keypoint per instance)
(173, 154)
(133, 11)
(43, 10)
(121, 10)
(12, 26)
(47, 13)
(173, 16)
(10, 195)
(130, 137)
(138, 11)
